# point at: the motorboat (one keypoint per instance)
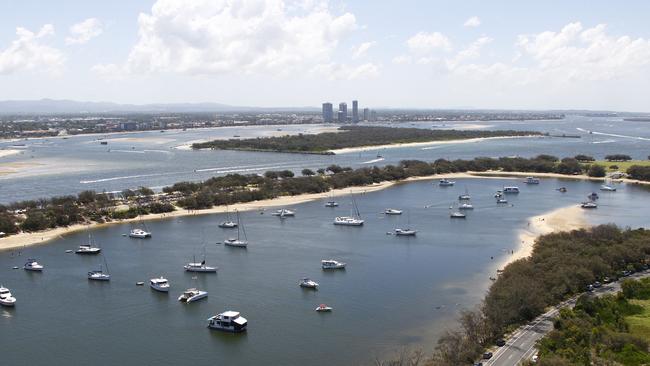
(322, 308)
(284, 213)
(589, 204)
(139, 234)
(199, 267)
(607, 188)
(593, 196)
(240, 241)
(445, 183)
(511, 190)
(531, 180)
(159, 284)
(332, 264)
(392, 211)
(33, 265)
(562, 189)
(405, 232)
(348, 221)
(331, 204)
(88, 249)
(307, 283)
(501, 201)
(498, 194)
(229, 321)
(457, 215)
(6, 298)
(192, 294)
(465, 206)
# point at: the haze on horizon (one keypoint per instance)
(273, 53)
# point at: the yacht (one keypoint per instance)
(332, 264)
(465, 196)
(589, 204)
(498, 194)
(99, 275)
(392, 211)
(191, 295)
(159, 284)
(511, 190)
(322, 308)
(229, 321)
(284, 213)
(139, 234)
(307, 283)
(89, 247)
(33, 265)
(240, 241)
(465, 206)
(348, 221)
(457, 215)
(607, 188)
(331, 204)
(6, 299)
(445, 183)
(405, 232)
(228, 224)
(199, 267)
(531, 180)
(501, 201)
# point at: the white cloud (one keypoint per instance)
(246, 36)
(335, 71)
(473, 51)
(362, 49)
(424, 42)
(28, 52)
(472, 22)
(402, 60)
(83, 32)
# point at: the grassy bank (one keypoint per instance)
(621, 166)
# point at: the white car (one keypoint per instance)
(535, 358)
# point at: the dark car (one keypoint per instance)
(487, 355)
(597, 284)
(590, 288)
(501, 342)
(607, 280)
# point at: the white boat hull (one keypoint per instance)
(236, 243)
(204, 269)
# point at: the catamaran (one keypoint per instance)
(229, 321)
(6, 298)
(191, 295)
(241, 232)
(228, 224)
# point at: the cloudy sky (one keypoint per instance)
(515, 54)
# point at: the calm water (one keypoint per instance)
(396, 291)
(49, 167)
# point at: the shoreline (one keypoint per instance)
(348, 150)
(25, 239)
(9, 152)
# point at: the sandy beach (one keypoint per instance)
(422, 144)
(8, 152)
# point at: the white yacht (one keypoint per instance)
(88, 249)
(348, 221)
(33, 265)
(322, 308)
(405, 232)
(498, 194)
(139, 234)
(199, 267)
(332, 264)
(229, 223)
(465, 206)
(99, 275)
(511, 190)
(457, 215)
(465, 196)
(159, 284)
(331, 204)
(284, 213)
(531, 180)
(392, 211)
(240, 241)
(6, 299)
(229, 321)
(307, 283)
(192, 294)
(607, 188)
(445, 183)
(501, 201)
(589, 204)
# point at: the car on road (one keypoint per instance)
(607, 280)
(597, 284)
(487, 355)
(535, 358)
(590, 288)
(501, 342)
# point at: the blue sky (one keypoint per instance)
(428, 54)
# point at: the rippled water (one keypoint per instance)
(56, 166)
(395, 292)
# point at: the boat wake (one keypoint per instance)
(613, 134)
(123, 178)
(604, 142)
(431, 147)
(373, 161)
(245, 168)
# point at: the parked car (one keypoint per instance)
(597, 284)
(501, 342)
(607, 280)
(535, 358)
(590, 288)
(487, 355)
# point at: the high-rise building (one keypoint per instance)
(355, 111)
(366, 114)
(343, 112)
(373, 116)
(328, 113)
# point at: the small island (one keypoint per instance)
(352, 137)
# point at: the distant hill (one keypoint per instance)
(54, 106)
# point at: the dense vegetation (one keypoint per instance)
(597, 330)
(90, 206)
(561, 265)
(350, 136)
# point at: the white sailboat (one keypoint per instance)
(195, 266)
(100, 275)
(140, 232)
(228, 223)
(406, 231)
(241, 232)
(353, 220)
(89, 247)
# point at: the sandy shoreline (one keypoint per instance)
(348, 150)
(9, 152)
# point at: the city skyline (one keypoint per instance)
(549, 55)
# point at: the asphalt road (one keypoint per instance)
(520, 345)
